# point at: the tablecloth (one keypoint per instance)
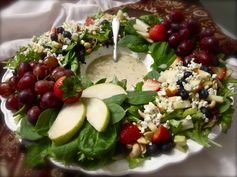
(24, 18)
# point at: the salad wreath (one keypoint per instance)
(69, 118)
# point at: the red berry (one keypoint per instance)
(158, 33)
(161, 135)
(129, 134)
(176, 16)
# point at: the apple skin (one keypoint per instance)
(97, 114)
(68, 122)
(102, 91)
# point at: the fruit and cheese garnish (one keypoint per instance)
(186, 93)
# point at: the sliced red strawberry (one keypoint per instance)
(151, 85)
(68, 89)
(161, 135)
(129, 134)
(178, 59)
(158, 33)
(89, 21)
(219, 71)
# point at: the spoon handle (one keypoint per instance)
(115, 30)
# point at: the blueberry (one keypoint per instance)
(167, 147)
(54, 37)
(67, 34)
(183, 93)
(203, 94)
(207, 112)
(187, 74)
(205, 68)
(153, 150)
(60, 29)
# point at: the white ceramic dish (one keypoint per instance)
(119, 167)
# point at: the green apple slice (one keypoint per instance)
(67, 123)
(97, 113)
(102, 91)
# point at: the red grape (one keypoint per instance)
(205, 32)
(27, 96)
(13, 81)
(184, 33)
(27, 81)
(43, 86)
(6, 89)
(50, 100)
(51, 62)
(176, 16)
(166, 23)
(33, 114)
(12, 103)
(174, 39)
(23, 68)
(65, 72)
(205, 58)
(169, 32)
(175, 26)
(185, 48)
(33, 64)
(40, 71)
(209, 43)
(193, 26)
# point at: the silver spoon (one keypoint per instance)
(115, 30)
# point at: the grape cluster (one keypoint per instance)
(32, 85)
(190, 40)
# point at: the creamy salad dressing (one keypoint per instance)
(127, 67)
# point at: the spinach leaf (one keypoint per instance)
(117, 113)
(135, 43)
(95, 144)
(101, 37)
(139, 85)
(162, 54)
(150, 19)
(121, 83)
(85, 82)
(135, 162)
(36, 154)
(27, 130)
(141, 97)
(117, 99)
(226, 120)
(152, 75)
(66, 152)
(133, 110)
(101, 81)
(129, 27)
(132, 118)
(224, 106)
(45, 121)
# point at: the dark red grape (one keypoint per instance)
(66, 72)
(184, 33)
(43, 86)
(57, 69)
(176, 16)
(187, 59)
(205, 32)
(23, 68)
(185, 48)
(27, 96)
(33, 114)
(12, 103)
(166, 23)
(27, 81)
(40, 71)
(6, 89)
(193, 26)
(50, 100)
(175, 26)
(51, 62)
(209, 43)
(205, 58)
(13, 81)
(33, 64)
(169, 32)
(174, 39)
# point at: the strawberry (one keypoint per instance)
(151, 85)
(68, 89)
(89, 21)
(178, 59)
(129, 134)
(219, 71)
(158, 33)
(161, 135)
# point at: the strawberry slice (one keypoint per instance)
(158, 33)
(161, 135)
(151, 85)
(178, 59)
(219, 71)
(129, 134)
(89, 21)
